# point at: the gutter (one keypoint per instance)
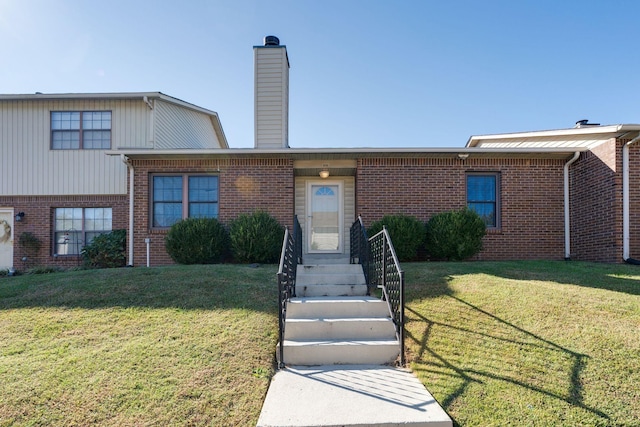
(567, 228)
(127, 162)
(625, 203)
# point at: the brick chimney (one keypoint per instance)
(271, 98)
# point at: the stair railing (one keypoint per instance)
(359, 248)
(290, 256)
(382, 269)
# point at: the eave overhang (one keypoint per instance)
(583, 137)
(347, 153)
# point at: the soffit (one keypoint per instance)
(351, 154)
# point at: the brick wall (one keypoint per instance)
(531, 204)
(39, 220)
(596, 205)
(634, 198)
(245, 185)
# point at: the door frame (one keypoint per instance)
(11, 239)
(309, 200)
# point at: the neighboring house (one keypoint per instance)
(58, 183)
(561, 194)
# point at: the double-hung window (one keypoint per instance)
(74, 130)
(176, 197)
(76, 227)
(483, 196)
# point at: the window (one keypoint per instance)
(183, 196)
(76, 227)
(73, 130)
(482, 197)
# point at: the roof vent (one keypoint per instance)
(271, 41)
(585, 123)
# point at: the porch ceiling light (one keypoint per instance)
(463, 156)
(324, 173)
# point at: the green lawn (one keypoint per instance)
(497, 343)
(125, 347)
(527, 343)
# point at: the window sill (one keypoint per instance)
(494, 230)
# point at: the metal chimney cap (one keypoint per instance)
(585, 123)
(271, 41)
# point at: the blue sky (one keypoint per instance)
(363, 73)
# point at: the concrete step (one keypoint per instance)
(352, 395)
(346, 274)
(340, 328)
(330, 290)
(330, 269)
(339, 352)
(336, 307)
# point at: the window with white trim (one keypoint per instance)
(76, 227)
(75, 130)
(483, 197)
(175, 197)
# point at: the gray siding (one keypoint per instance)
(30, 167)
(271, 97)
(178, 127)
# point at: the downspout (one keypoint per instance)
(567, 217)
(626, 233)
(127, 162)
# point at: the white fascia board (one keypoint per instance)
(342, 151)
(587, 130)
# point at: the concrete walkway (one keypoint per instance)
(349, 395)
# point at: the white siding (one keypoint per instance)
(179, 127)
(30, 167)
(271, 97)
(349, 204)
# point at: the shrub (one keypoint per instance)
(197, 241)
(106, 250)
(30, 243)
(407, 234)
(256, 238)
(455, 235)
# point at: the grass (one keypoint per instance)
(527, 343)
(125, 347)
(497, 343)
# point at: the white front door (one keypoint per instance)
(324, 217)
(6, 238)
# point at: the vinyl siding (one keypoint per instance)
(178, 127)
(271, 97)
(348, 204)
(30, 167)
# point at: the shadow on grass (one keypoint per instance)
(469, 375)
(182, 287)
(464, 345)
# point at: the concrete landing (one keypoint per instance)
(352, 395)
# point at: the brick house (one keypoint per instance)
(76, 165)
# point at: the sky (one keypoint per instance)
(364, 73)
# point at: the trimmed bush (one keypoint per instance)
(407, 234)
(455, 235)
(256, 238)
(197, 241)
(106, 250)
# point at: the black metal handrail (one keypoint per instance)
(359, 248)
(382, 269)
(290, 256)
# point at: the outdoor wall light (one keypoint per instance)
(19, 216)
(324, 173)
